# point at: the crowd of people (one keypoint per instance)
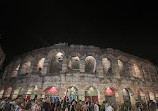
(47, 104)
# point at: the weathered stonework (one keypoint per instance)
(82, 67)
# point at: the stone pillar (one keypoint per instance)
(3, 95)
(149, 74)
(147, 96)
(115, 68)
(81, 94)
(31, 67)
(82, 65)
(5, 73)
(12, 92)
(119, 97)
(101, 96)
(45, 67)
(133, 101)
(64, 66)
(118, 71)
(21, 70)
(9, 71)
(131, 71)
(100, 69)
(25, 91)
(62, 93)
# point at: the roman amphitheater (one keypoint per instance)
(80, 72)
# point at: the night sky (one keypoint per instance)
(131, 27)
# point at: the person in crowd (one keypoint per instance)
(96, 107)
(152, 106)
(110, 107)
(102, 107)
(78, 105)
(72, 106)
(2, 104)
(46, 104)
(84, 106)
(91, 107)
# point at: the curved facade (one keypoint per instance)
(78, 71)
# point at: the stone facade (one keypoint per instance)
(81, 67)
(2, 57)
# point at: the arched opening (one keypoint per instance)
(40, 64)
(151, 96)
(141, 95)
(16, 93)
(72, 93)
(21, 91)
(74, 63)
(91, 94)
(120, 64)
(110, 95)
(1, 93)
(15, 68)
(52, 92)
(136, 71)
(15, 71)
(126, 95)
(106, 65)
(56, 63)
(156, 97)
(25, 69)
(8, 92)
(90, 64)
(32, 93)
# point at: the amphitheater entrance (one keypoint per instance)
(91, 94)
(110, 95)
(52, 93)
(1, 93)
(32, 93)
(126, 96)
(151, 96)
(72, 93)
(141, 95)
(8, 92)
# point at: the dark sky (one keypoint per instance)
(131, 27)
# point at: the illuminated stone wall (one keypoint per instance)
(64, 66)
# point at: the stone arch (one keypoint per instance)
(135, 69)
(32, 92)
(106, 65)
(39, 63)
(55, 62)
(1, 92)
(52, 91)
(90, 64)
(74, 63)
(91, 93)
(16, 92)
(26, 65)
(8, 92)
(72, 93)
(141, 94)
(110, 95)
(145, 72)
(120, 69)
(128, 95)
(15, 69)
(151, 95)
